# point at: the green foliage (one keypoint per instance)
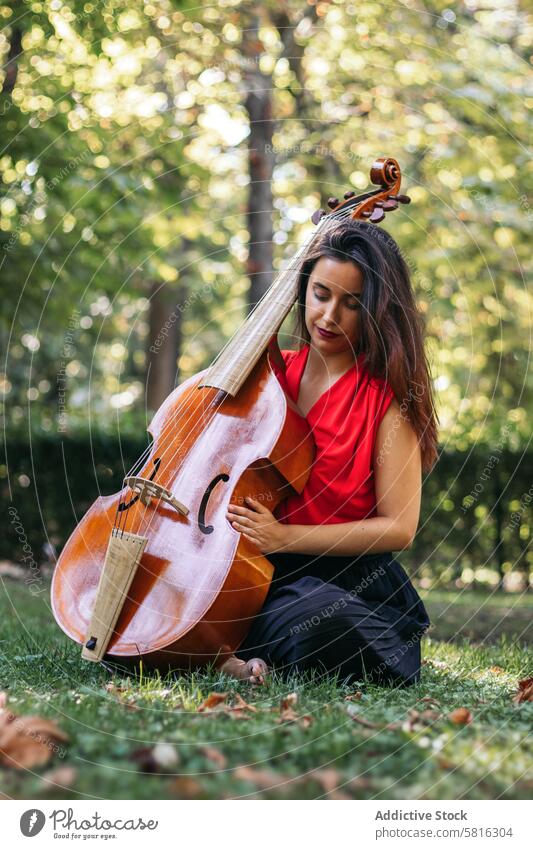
(125, 166)
(476, 509)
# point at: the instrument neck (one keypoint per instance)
(237, 359)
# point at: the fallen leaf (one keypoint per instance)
(354, 697)
(236, 713)
(429, 716)
(111, 687)
(496, 670)
(288, 715)
(215, 756)
(240, 704)
(213, 702)
(360, 783)
(62, 776)
(460, 716)
(416, 720)
(186, 788)
(430, 700)
(27, 741)
(525, 691)
(329, 780)
(265, 779)
(286, 708)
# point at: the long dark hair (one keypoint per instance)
(392, 329)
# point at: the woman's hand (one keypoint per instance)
(258, 525)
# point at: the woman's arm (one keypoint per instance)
(397, 470)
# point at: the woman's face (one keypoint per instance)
(332, 304)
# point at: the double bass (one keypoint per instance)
(155, 572)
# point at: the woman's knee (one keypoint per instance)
(324, 642)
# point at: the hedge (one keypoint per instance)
(475, 519)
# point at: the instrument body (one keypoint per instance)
(199, 583)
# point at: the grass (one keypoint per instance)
(326, 755)
(480, 615)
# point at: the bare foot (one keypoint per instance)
(253, 671)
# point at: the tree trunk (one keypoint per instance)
(15, 51)
(163, 344)
(258, 105)
(498, 518)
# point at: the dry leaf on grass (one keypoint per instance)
(28, 741)
(238, 710)
(111, 687)
(264, 779)
(213, 702)
(240, 704)
(286, 708)
(217, 703)
(461, 716)
(329, 780)
(525, 691)
(354, 697)
(360, 782)
(417, 720)
(185, 787)
(118, 690)
(215, 756)
(62, 776)
(287, 714)
(496, 670)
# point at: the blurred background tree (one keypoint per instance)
(160, 161)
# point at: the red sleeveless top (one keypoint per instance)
(344, 422)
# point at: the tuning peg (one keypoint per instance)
(377, 215)
(389, 205)
(348, 195)
(317, 215)
(400, 198)
(333, 202)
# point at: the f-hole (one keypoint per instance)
(208, 529)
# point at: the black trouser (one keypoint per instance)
(357, 617)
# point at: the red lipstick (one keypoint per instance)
(326, 334)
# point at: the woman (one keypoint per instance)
(339, 601)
